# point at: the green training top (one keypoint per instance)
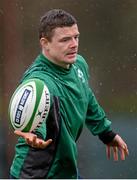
(73, 104)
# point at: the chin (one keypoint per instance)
(71, 61)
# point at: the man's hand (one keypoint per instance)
(116, 145)
(33, 140)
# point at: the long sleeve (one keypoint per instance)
(97, 121)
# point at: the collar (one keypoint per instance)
(56, 68)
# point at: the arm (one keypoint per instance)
(98, 124)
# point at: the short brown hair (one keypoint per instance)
(53, 19)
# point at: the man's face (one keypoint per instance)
(63, 47)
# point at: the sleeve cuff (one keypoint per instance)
(107, 137)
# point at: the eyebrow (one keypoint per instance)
(69, 37)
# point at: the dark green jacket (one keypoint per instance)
(73, 104)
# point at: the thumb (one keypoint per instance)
(19, 133)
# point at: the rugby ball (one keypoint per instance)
(29, 105)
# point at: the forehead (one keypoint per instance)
(61, 32)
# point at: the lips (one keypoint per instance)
(72, 53)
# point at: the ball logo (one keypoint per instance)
(21, 105)
(29, 105)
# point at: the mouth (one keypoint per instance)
(73, 53)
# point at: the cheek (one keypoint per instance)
(55, 48)
(60, 50)
(57, 53)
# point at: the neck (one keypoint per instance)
(46, 54)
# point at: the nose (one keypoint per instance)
(74, 43)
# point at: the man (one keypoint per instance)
(51, 152)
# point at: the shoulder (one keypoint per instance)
(36, 70)
(81, 63)
(81, 59)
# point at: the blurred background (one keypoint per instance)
(108, 41)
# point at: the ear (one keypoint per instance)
(44, 43)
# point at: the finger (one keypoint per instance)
(39, 143)
(45, 143)
(122, 155)
(19, 133)
(108, 152)
(115, 153)
(34, 140)
(29, 142)
(31, 139)
(124, 152)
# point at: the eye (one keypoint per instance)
(76, 37)
(65, 39)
